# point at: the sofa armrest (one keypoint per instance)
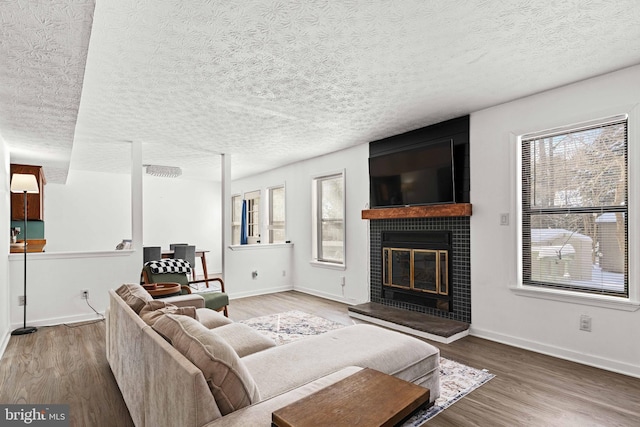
(259, 414)
(188, 300)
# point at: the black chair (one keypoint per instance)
(187, 253)
(151, 253)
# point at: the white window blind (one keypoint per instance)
(574, 208)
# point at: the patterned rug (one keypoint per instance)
(456, 380)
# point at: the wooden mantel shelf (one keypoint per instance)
(430, 211)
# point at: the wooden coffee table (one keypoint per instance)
(366, 398)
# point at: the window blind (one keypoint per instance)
(574, 195)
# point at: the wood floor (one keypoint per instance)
(63, 364)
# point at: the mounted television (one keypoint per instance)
(418, 176)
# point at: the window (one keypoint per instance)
(253, 216)
(276, 214)
(575, 208)
(328, 220)
(236, 219)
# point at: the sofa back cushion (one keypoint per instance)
(134, 295)
(229, 380)
(155, 309)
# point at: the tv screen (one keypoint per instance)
(418, 176)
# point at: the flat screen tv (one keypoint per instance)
(418, 176)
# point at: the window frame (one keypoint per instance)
(271, 226)
(316, 247)
(235, 225)
(632, 302)
(254, 209)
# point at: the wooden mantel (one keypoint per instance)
(428, 211)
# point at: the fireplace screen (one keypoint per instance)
(422, 270)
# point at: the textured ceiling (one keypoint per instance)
(272, 82)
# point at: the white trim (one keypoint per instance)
(573, 297)
(325, 295)
(239, 295)
(410, 331)
(269, 211)
(329, 265)
(34, 256)
(5, 342)
(315, 220)
(53, 321)
(260, 246)
(559, 352)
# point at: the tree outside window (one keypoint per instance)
(574, 206)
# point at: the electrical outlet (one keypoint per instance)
(504, 219)
(84, 294)
(21, 300)
(585, 323)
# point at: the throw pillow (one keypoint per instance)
(229, 380)
(134, 295)
(155, 309)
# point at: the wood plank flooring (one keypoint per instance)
(63, 364)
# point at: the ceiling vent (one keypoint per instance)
(163, 171)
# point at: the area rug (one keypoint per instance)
(456, 379)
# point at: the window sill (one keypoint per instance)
(256, 246)
(68, 255)
(329, 265)
(604, 301)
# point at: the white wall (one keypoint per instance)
(498, 313)
(5, 203)
(184, 211)
(295, 261)
(92, 212)
(55, 282)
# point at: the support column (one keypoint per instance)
(136, 197)
(225, 204)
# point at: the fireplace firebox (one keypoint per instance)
(416, 267)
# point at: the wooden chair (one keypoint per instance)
(214, 300)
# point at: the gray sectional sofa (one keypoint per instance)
(177, 365)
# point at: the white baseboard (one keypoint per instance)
(85, 317)
(4, 343)
(237, 295)
(559, 352)
(331, 297)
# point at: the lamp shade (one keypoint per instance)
(21, 182)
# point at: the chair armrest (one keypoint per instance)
(206, 281)
(189, 300)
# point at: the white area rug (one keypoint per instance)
(456, 379)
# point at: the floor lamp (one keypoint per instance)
(24, 183)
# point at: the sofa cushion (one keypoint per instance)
(229, 380)
(134, 295)
(361, 345)
(153, 310)
(211, 318)
(243, 339)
